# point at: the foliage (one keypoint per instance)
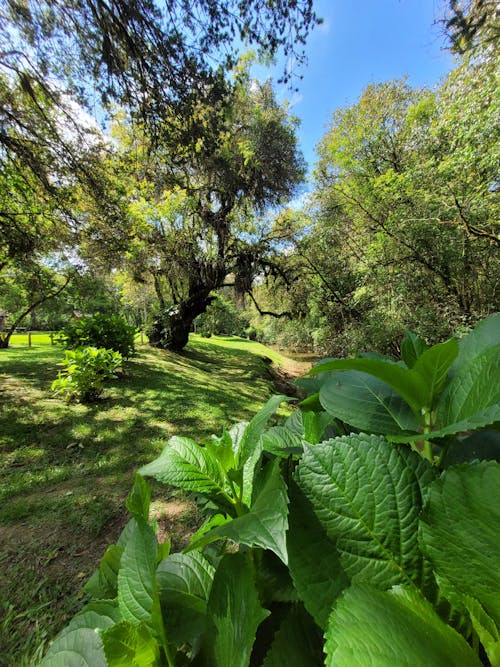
(402, 227)
(109, 331)
(154, 58)
(473, 25)
(306, 528)
(85, 372)
(222, 317)
(198, 217)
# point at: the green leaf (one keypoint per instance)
(79, 643)
(474, 389)
(234, 613)
(138, 499)
(282, 442)
(128, 644)
(137, 592)
(368, 495)
(184, 584)
(309, 425)
(366, 403)
(486, 630)
(433, 366)
(253, 431)
(460, 532)
(486, 334)
(372, 628)
(313, 560)
(296, 643)
(266, 523)
(187, 465)
(486, 417)
(405, 382)
(412, 346)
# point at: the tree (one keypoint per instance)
(199, 220)
(473, 25)
(156, 58)
(408, 181)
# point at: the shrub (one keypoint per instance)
(342, 536)
(103, 331)
(84, 373)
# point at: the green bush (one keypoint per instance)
(85, 372)
(345, 536)
(103, 331)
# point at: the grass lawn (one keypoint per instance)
(65, 470)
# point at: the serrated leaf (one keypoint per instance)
(266, 522)
(137, 592)
(407, 383)
(187, 465)
(366, 403)
(372, 628)
(128, 644)
(139, 498)
(486, 334)
(281, 442)
(184, 584)
(480, 446)
(313, 560)
(412, 346)
(460, 532)
(368, 494)
(474, 389)
(79, 643)
(296, 643)
(234, 613)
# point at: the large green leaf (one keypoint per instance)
(475, 388)
(234, 613)
(128, 644)
(460, 532)
(433, 366)
(486, 334)
(137, 592)
(372, 628)
(366, 403)
(368, 495)
(406, 382)
(184, 583)
(297, 642)
(79, 644)
(187, 465)
(266, 522)
(313, 560)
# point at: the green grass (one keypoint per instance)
(65, 470)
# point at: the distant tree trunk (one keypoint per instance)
(170, 330)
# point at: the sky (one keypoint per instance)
(363, 42)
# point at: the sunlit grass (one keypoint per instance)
(65, 470)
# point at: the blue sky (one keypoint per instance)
(362, 42)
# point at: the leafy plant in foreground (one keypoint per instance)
(85, 372)
(318, 548)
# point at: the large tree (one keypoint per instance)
(200, 219)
